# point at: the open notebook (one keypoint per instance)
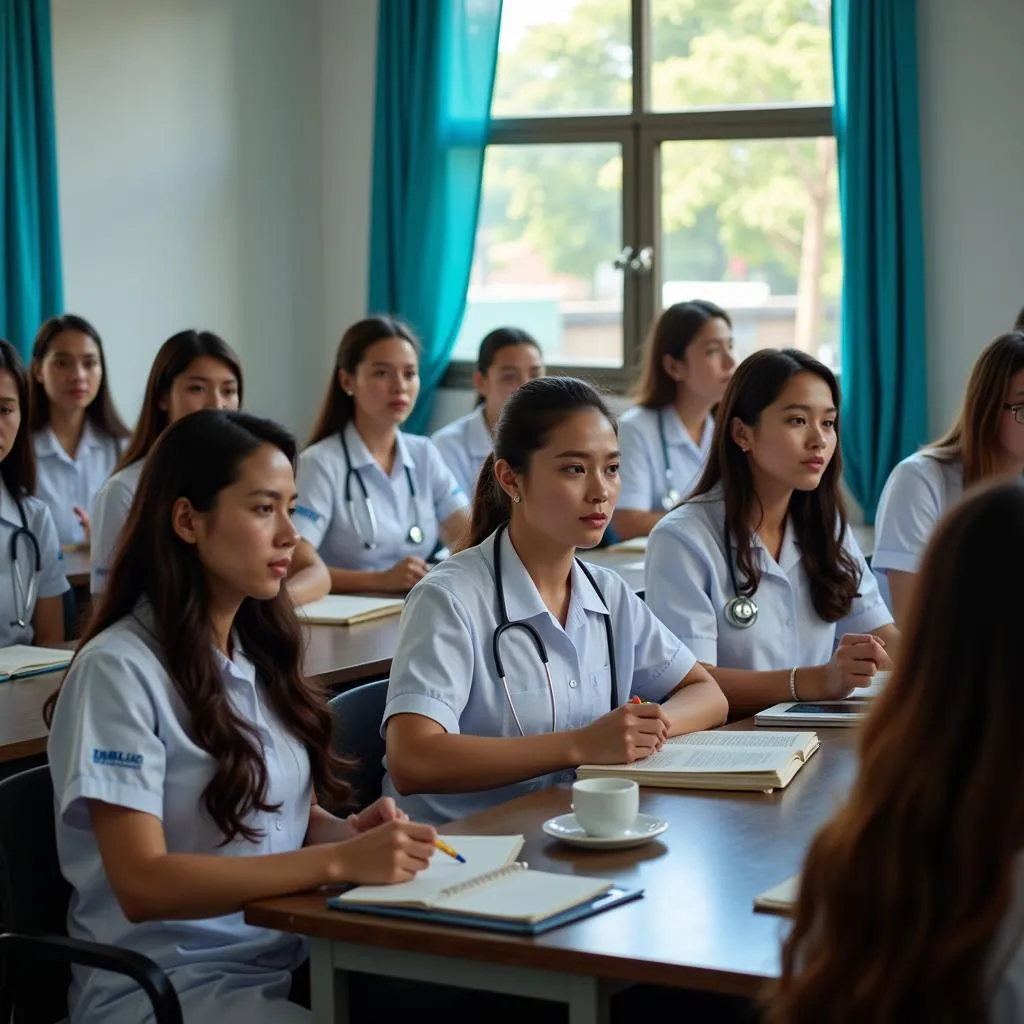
(781, 899)
(20, 661)
(742, 759)
(489, 891)
(348, 609)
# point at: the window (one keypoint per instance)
(645, 152)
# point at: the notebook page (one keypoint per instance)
(525, 896)
(723, 752)
(20, 657)
(342, 607)
(482, 853)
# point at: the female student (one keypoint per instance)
(508, 356)
(757, 571)
(986, 441)
(475, 713)
(376, 503)
(77, 433)
(666, 437)
(911, 904)
(186, 748)
(193, 370)
(31, 578)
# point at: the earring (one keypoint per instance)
(516, 498)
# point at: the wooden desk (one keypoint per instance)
(695, 928)
(344, 656)
(22, 732)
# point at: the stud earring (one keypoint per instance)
(516, 498)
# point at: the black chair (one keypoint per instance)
(35, 950)
(357, 716)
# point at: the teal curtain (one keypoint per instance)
(30, 269)
(874, 51)
(436, 62)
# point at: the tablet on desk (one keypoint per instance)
(824, 712)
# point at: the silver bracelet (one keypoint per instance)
(792, 684)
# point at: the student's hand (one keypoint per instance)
(83, 519)
(625, 735)
(393, 852)
(855, 661)
(402, 577)
(380, 812)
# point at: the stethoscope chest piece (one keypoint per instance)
(415, 534)
(741, 612)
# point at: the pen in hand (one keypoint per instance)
(445, 848)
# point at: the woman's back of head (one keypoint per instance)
(905, 889)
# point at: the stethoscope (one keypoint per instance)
(505, 626)
(671, 497)
(740, 611)
(25, 591)
(414, 535)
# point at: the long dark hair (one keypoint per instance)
(903, 892)
(493, 343)
(197, 458)
(671, 335)
(532, 411)
(176, 354)
(100, 411)
(18, 469)
(338, 409)
(818, 517)
(974, 436)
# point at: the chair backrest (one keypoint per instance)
(357, 715)
(33, 893)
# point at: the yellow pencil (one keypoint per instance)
(445, 848)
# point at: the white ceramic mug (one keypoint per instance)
(605, 807)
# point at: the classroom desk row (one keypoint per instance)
(695, 927)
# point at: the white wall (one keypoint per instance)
(972, 136)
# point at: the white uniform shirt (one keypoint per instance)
(109, 514)
(642, 467)
(444, 666)
(51, 577)
(915, 497)
(64, 482)
(464, 444)
(121, 735)
(322, 516)
(688, 587)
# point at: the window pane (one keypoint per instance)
(550, 228)
(754, 226)
(727, 53)
(559, 57)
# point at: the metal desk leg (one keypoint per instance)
(328, 989)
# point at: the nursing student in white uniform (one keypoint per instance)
(186, 748)
(465, 733)
(757, 571)
(31, 576)
(985, 442)
(77, 433)
(192, 370)
(916, 886)
(377, 504)
(508, 357)
(665, 438)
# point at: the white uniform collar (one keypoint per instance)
(47, 444)
(478, 436)
(676, 434)
(360, 454)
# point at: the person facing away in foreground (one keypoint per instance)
(911, 903)
(187, 749)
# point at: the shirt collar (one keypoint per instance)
(238, 666)
(360, 454)
(677, 435)
(478, 437)
(789, 555)
(48, 445)
(8, 506)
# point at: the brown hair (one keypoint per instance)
(18, 469)
(101, 411)
(818, 517)
(671, 335)
(196, 458)
(974, 436)
(176, 354)
(904, 890)
(338, 409)
(498, 339)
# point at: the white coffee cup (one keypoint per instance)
(605, 807)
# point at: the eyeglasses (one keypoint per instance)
(1018, 412)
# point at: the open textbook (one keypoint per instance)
(19, 661)
(745, 759)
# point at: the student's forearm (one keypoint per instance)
(353, 581)
(325, 827)
(696, 706)
(309, 584)
(446, 763)
(633, 522)
(749, 691)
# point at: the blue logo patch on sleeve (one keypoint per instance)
(307, 513)
(117, 758)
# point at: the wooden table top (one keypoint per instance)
(695, 926)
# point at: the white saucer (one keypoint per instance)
(566, 828)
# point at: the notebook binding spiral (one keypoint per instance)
(481, 880)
